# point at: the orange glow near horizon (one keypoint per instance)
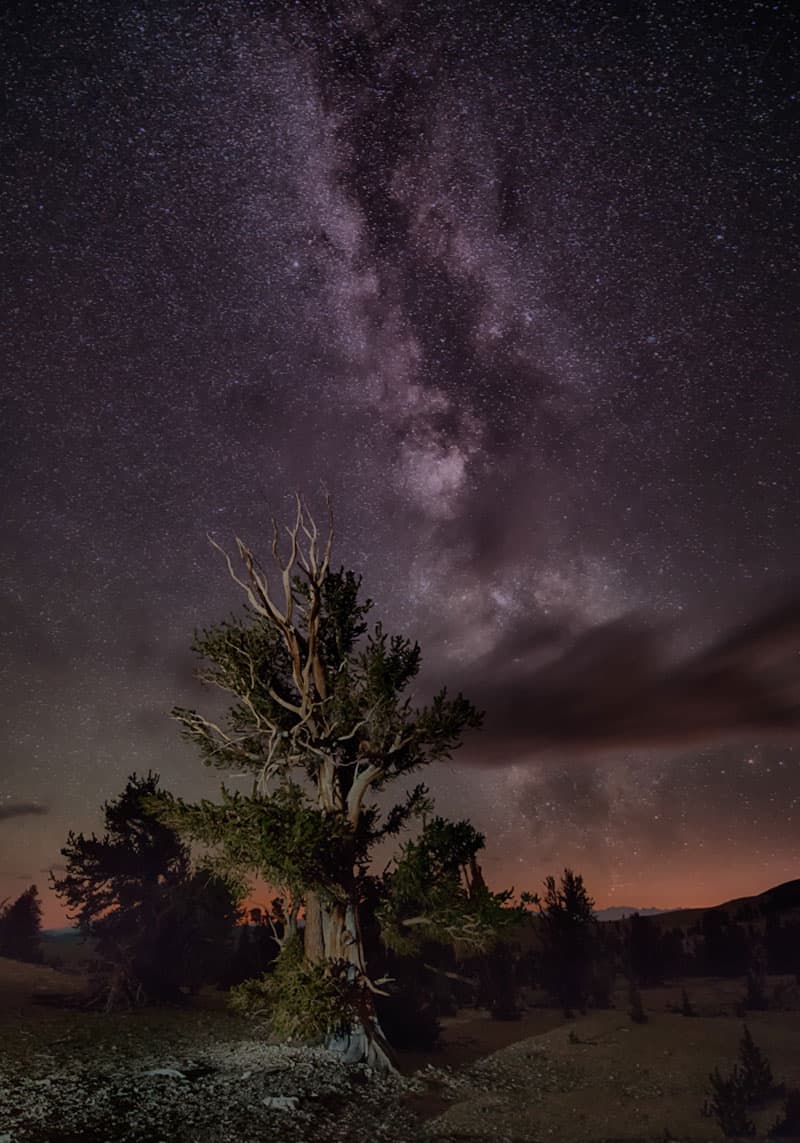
(669, 891)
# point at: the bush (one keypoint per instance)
(301, 1000)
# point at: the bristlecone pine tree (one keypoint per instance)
(322, 721)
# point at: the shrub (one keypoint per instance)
(302, 1001)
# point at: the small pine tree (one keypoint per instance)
(749, 1084)
(636, 1010)
(643, 951)
(728, 1104)
(571, 940)
(21, 928)
(757, 1078)
(756, 999)
(788, 1126)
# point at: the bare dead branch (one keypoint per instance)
(451, 975)
(361, 783)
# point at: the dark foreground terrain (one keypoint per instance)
(201, 1075)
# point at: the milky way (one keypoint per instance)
(516, 282)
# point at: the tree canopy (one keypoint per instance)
(436, 892)
(21, 927)
(321, 719)
(155, 922)
(570, 937)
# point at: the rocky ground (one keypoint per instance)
(245, 1089)
(202, 1075)
(225, 1093)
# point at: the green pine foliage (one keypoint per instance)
(365, 723)
(282, 836)
(321, 719)
(436, 893)
(301, 1000)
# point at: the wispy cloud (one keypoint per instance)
(21, 809)
(616, 685)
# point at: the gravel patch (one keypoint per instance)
(227, 1093)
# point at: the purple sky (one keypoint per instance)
(518, 283)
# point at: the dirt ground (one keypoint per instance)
(202, 1074)
(600, 1077)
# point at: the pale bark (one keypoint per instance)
(312, 934)
(332, 931)
(364, 1042)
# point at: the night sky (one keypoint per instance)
(516, 282)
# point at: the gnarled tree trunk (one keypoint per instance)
(333, 933)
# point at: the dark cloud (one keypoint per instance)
(21, 809)
(617, 685)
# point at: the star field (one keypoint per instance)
(517, 283)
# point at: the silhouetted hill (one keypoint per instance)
(620, 912)
(784, 898)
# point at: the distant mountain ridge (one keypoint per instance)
(785, 896)
(780, 898)
(620, 912)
